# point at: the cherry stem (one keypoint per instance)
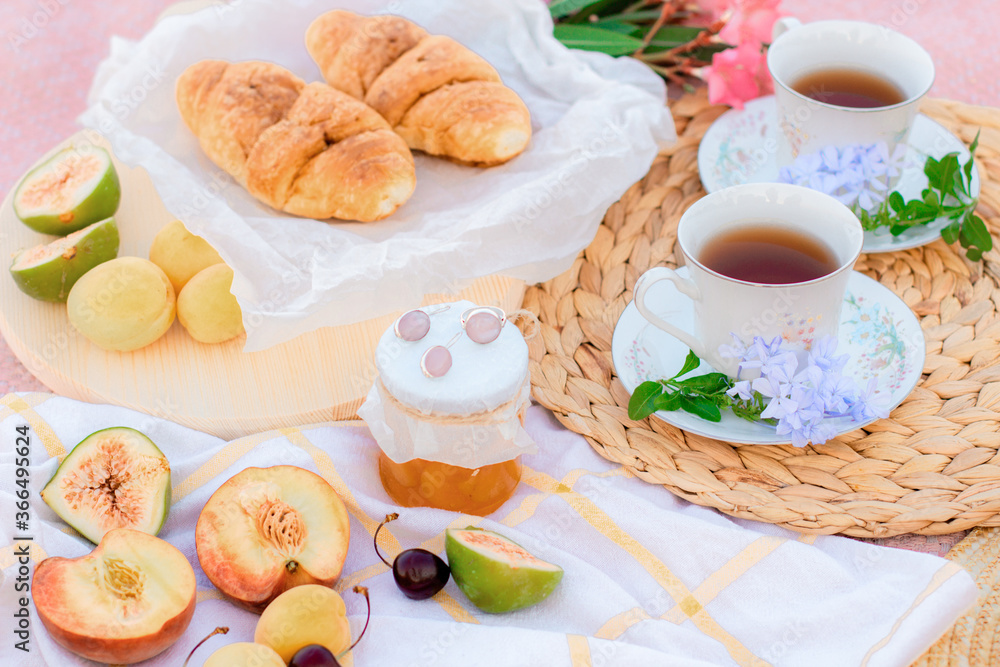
(388, 518)
(361, 590)
(217, 631)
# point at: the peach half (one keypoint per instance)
(267, 530)
(129, 599)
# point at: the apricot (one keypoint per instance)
(181, 254)
(207, 308)
(123, 304)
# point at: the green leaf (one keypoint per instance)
(972, 154)
(950, 233)
(932, 168)
(561, 8)
(975, 143)
(709, 383)
(946, 177)
(620, 27)
(975, 234)
(598, 9)
(691, 362)
(642, 15)
(896, 201)
(643, 400)
(667, 402)
(701, 407)
(931, 199)
(594, 39)
(974, 254)
(677, 33)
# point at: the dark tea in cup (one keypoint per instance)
(848, 87)
(768, 254)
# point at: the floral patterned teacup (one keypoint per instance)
(799, 313)
(864, 138)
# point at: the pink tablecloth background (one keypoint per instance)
(52, 47)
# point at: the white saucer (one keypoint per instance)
(879, 332)
(735, 150)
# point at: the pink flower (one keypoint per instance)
(737, 75)
(751, 22)
(716, 8)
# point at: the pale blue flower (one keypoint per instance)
(737, 350)
(802, 402)
(742, 389)
(822, 354)
(857, 175)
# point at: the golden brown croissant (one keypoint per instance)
(309, 150)
(439, 96)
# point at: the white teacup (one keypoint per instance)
(808, 125)
(800, 313)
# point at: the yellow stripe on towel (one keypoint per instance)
(597, 518)
(579, 651)
(25, 406)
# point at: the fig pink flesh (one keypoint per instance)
(55, 189)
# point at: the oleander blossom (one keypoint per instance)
(738, 75)
(801, 402)
(858, 175)
(751, 21)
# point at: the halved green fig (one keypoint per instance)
(496, 574)
(47, 272)
(76, 187)
(115, 478)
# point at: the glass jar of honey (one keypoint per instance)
(450, 427)
(420, 483)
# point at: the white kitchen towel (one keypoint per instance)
(649, 579)
(598, 123)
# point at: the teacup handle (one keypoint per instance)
(685, 287)
(783, 25)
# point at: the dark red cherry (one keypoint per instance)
(418, 573)
(314, 655)
(317, 655)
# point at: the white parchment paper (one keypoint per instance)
(598, 123)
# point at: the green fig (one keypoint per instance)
(496, 574)
(76, 187)
(47, 272)
(115, 478)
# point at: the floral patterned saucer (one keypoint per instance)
(879, 332)
(740, 147)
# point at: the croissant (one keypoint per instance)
(442, 98)
(309, 150)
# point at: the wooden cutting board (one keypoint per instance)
(320, 376)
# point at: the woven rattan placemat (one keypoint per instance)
(974, 640)
(932, 467)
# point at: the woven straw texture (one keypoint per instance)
(931, 468)
(974, 640)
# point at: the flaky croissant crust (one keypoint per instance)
(306, 149)
(441, 97)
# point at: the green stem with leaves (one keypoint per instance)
(702, 395)
(948, 195)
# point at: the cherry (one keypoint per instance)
(418, 573)
(314, 655)
(317, 655)
(217, 631)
